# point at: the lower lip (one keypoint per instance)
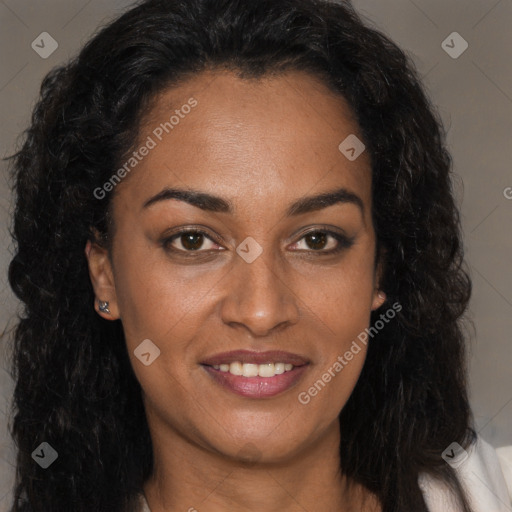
(257, 387)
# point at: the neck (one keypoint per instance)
(187, 477)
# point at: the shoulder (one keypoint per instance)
(485, 474)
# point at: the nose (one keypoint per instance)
(258, 297)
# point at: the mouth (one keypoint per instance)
(256, 374)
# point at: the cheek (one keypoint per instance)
(341, 302)
(158, 305)
(331, 383)
(156, 299)
(342, 296)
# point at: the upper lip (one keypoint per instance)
(248, 356)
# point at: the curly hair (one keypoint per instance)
(75, 387)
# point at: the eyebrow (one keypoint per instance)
(212, 203)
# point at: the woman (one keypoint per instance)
(242, 269)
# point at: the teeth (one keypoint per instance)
(250, 370)
(254, 370)
(266, 370)
(279, 368)
(235, 368)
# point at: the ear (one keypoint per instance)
(379, 296)
(102, 279)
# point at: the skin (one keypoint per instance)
(261, 144)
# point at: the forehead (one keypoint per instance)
(267, 140)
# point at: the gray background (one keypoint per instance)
(474, 97)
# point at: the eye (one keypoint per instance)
(193, 240)
(324, 242)
(189, 241)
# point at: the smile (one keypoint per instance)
(253, 385)
(254, 370)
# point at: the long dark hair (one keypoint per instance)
(75, 388)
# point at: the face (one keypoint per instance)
(260, 268)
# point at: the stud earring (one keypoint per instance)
(103, 306)
(381, 295)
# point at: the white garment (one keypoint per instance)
(482, 476)
(505, 457)
(486, 475)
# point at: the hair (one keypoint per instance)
(75, 387)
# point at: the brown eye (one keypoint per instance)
(323, 242)
(189, 241)
(316, 240)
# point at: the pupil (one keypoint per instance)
(316, 238)
(192, 241)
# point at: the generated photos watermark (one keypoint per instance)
(304, 397)
(151, 142)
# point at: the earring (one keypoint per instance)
(381, 295)
(103, 306)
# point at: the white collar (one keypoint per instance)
(482, 477)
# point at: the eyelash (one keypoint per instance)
(344, 242)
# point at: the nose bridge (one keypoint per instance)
(258, 296)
